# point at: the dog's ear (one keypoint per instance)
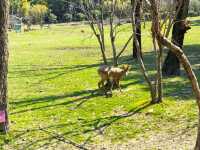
(126, 67)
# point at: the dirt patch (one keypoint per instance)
(159, 141)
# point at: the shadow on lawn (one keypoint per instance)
(77, 96)
(98, 125)
(177, 88)
(42, 70)
(95, 127)
(195, 22)
(182, 89)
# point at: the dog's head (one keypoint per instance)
(126, 68)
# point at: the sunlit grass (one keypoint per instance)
(53, 90)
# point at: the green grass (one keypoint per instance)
(53, 90)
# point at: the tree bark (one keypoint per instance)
(113, 34)
(3, 60)
(197, 146)
(138, 29)
(171, 66)
(152, 86)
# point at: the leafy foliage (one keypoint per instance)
(24, 8)
(37, 13)
(194, 9)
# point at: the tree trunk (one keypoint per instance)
(3, 61)
(159, 73)
(112, 35)
(97, 26)
(192, 77)
(197, 146)
(138, 29)
(171, 64)
(182, 59)
(152, 86)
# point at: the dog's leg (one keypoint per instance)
(99, 84)
(104, 88)
(118, 86)
(112, 84)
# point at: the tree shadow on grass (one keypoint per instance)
(42, 70)
(98, 125)
(174, 88)
(101, 124)
(93, 127)
(195, 22)
(179, 88)
(193, 53)
(75, 97)
(182, 88)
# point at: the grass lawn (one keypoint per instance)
(54, 102)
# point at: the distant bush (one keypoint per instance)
(79, 17)
(192, 13)
(194, 8)
(52, 18)
(67, 17)
(37, 13)
(96, 13)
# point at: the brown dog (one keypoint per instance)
(112, 74)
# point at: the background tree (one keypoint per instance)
(3, 61)
(24, 8)
(138, 15)
(69, 10)
(194, 8)
(65, 8)
(171, 64)
(154, 81)
(14, 6)
(43, 2)
(37, 14)
(113, 10)
(50, 17)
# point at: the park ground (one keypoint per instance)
(54, 102)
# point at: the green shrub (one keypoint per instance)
(52, 18)
(67, 17)
(192, 13)
(194, 8)
(79, 17)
